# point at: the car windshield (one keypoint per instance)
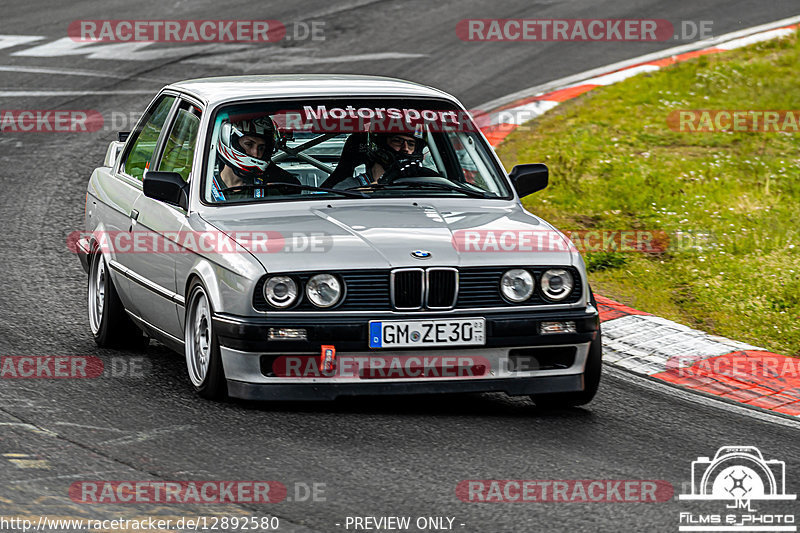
(354, 148)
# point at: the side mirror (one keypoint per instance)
(167, 187)
(527, 179)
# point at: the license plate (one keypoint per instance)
(450, 332)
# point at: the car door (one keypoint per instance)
(119, 195)
(160, 225)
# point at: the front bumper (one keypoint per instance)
(82, 250)
(331, 391)
(520, 361)
(349, 333)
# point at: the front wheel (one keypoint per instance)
(111, 327)
(203, 358)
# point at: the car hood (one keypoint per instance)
(351, 235)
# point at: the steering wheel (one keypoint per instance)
(409, 171)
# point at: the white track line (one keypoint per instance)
(10, 41)
(23, 94)
(278, 62)
(72, 72)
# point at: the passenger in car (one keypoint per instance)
(244, 151)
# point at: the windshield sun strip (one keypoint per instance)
(499, 172)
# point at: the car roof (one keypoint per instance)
(227, 88)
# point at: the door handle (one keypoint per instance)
(134, 218)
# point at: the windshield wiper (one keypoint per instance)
(437, 186)
(275, 184)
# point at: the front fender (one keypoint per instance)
(229, 292)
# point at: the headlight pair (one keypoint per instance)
(518, 284)
(322, 290)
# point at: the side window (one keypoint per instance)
(179, 149)
(138, 158)
(473, 165)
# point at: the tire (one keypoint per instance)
(591, 379)
(110, 325)
(203, 358)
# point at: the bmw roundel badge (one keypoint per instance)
(421, 254)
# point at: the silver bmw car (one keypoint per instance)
(309, 237)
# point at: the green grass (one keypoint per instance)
(615, 164)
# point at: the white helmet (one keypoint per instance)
(231, 152)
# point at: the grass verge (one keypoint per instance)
(616, 164)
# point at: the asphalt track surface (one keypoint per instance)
(380, 457)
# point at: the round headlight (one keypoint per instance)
(557, 284)
(324, 290)
(280, 291)
(517, 285)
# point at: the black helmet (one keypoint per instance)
(381, 150)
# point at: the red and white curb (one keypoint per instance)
(661, 349)
(640, 342)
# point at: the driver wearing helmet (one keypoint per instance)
(403, 148)
(244, 152)
(389, 155)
